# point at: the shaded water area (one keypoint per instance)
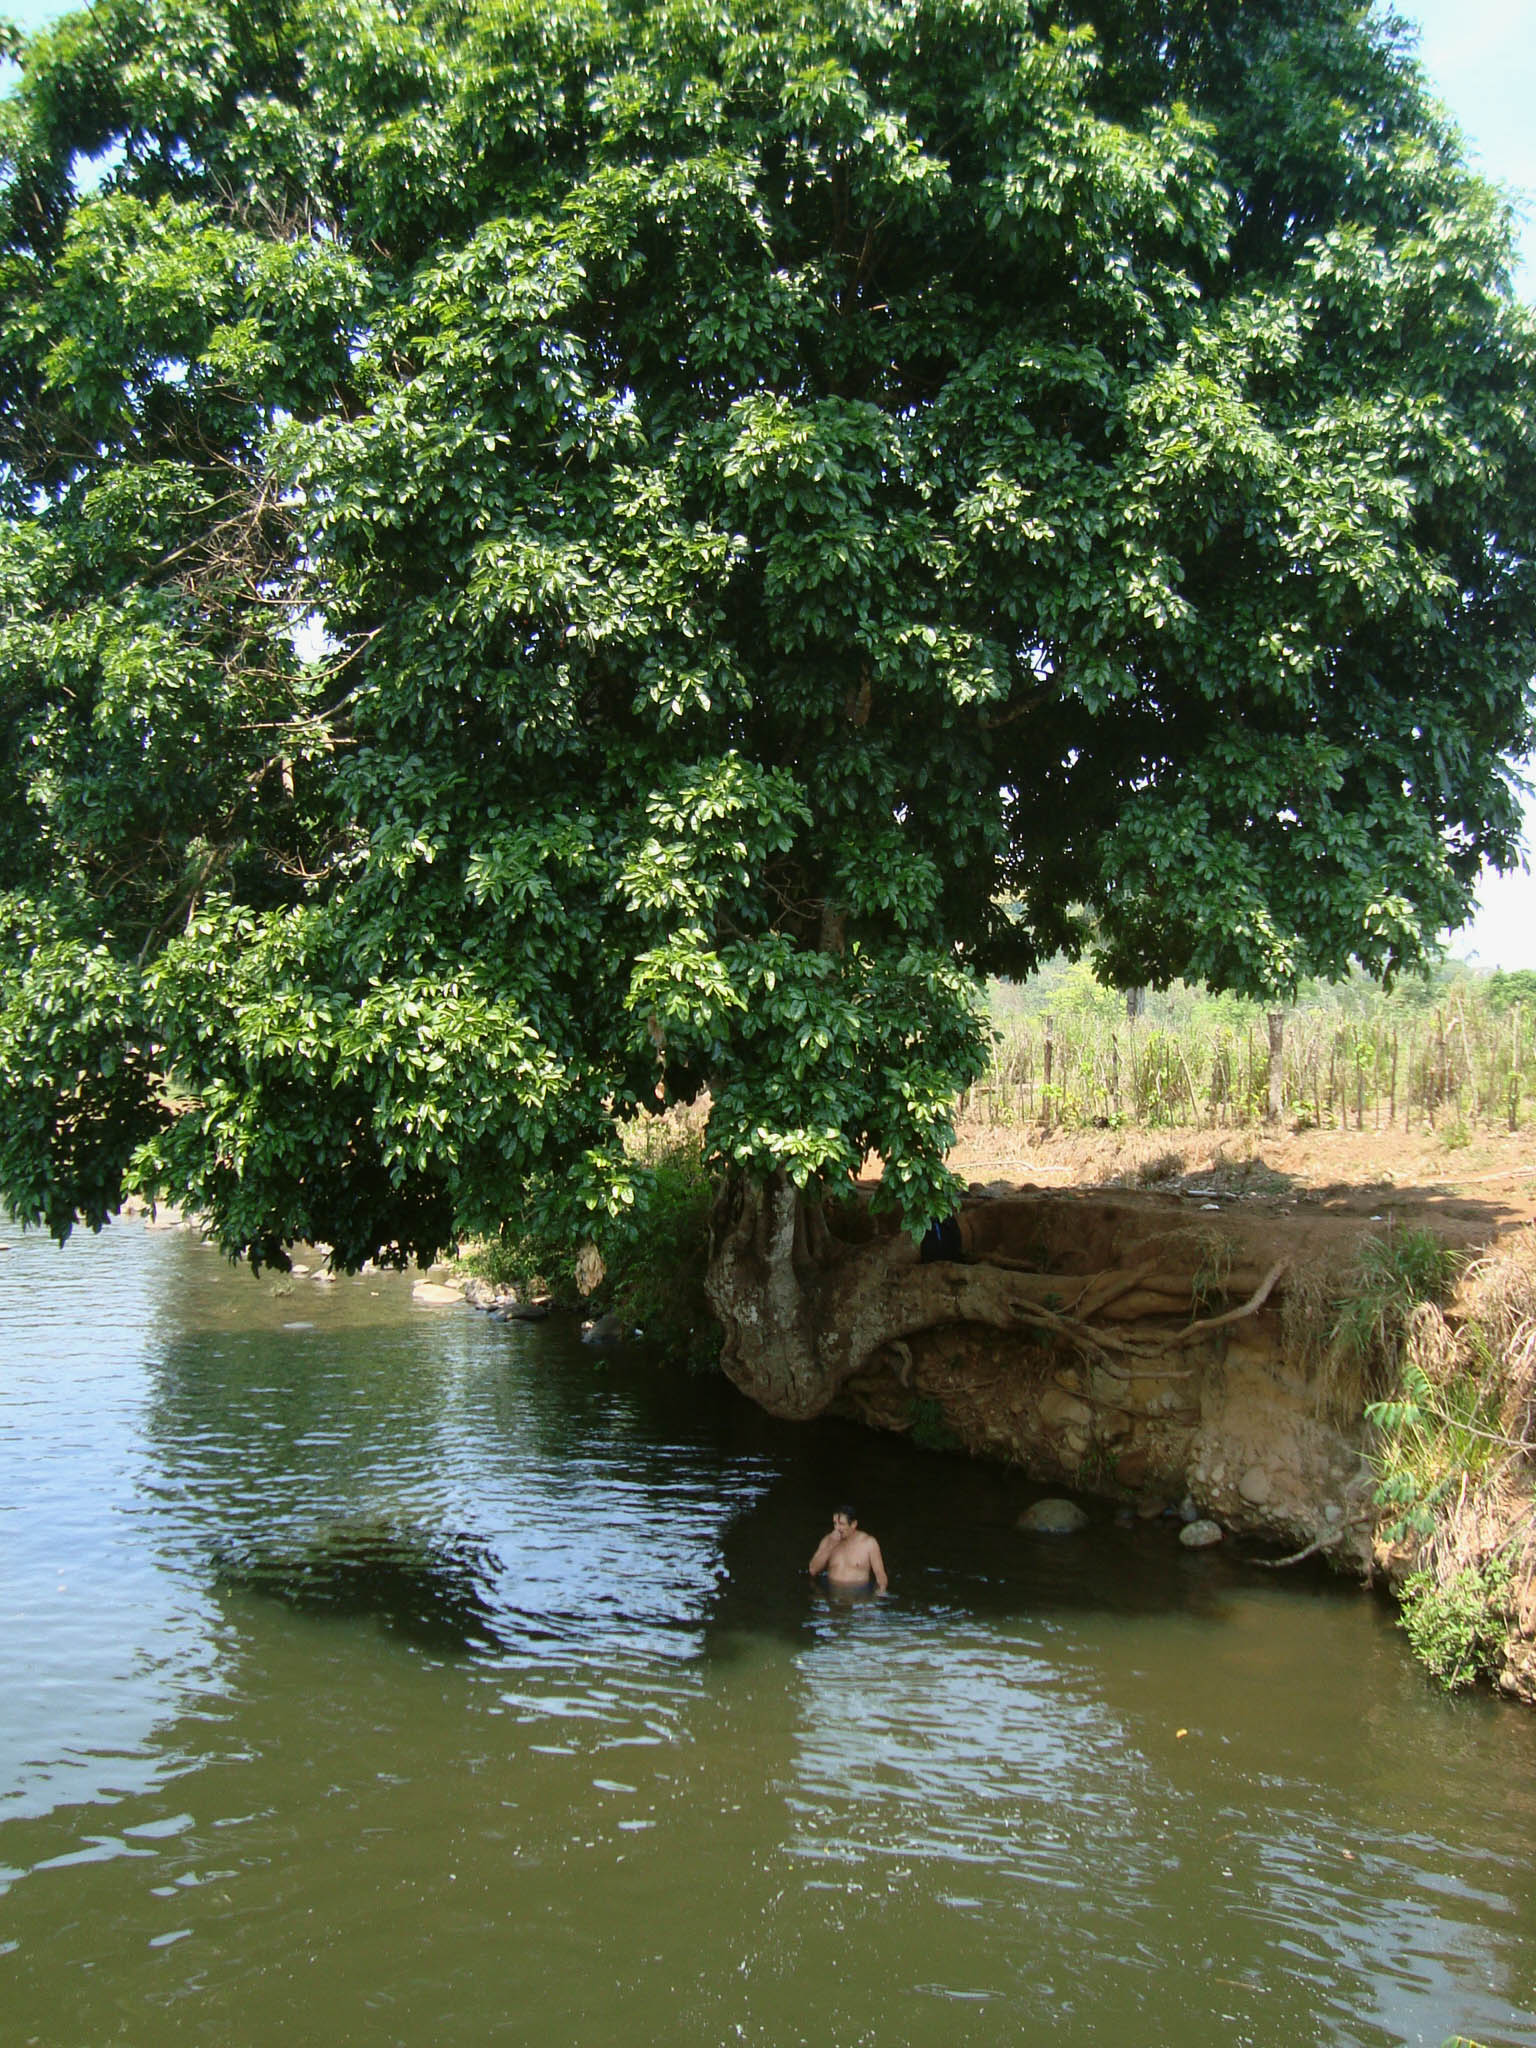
(376, 1674)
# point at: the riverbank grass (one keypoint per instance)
(1453, 1453)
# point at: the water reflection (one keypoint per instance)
(434, 1590)
(457, 1683)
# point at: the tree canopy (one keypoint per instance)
(556, 552)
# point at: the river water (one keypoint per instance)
(375, 1674)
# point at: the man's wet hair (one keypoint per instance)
(848, 1514)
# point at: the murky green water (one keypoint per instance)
(375, 1674)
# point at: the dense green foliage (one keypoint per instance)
(760, 489)
(1431, 1441)
(653, 1259)
(1394, 1274)
(1458, 1628)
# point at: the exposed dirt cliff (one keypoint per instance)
(1129, 1342)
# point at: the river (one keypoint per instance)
(379, 1674)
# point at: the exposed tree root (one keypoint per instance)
(804, 1311)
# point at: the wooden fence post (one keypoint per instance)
(1514, 1069)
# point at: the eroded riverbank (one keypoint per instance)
(1191, 1322)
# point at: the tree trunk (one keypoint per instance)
(763, 1282)
(802, 1309)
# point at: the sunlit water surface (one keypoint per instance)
(378, 1674)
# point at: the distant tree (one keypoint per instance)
(560, 551)
(1507, 986)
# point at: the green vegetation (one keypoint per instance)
(1433, 1439)
(652, 1258)
(551, 554)
(928, 1426)
(1457, 1628)
(1450, 1052)
(1453, 1456)
(1394, 1276)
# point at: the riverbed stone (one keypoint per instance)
(1200, 1535)
(437, 1293)
(1061, 1410)
(605, 1330)
(1255, 1486)
(1053, 1518)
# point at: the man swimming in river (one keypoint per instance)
(847, 1555)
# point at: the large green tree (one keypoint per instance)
(557, 551)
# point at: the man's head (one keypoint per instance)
(844, 1519)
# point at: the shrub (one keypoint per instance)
(1453, 1463)
(1159, 1166)
(1431, 1438)
(1457, 1625)
(652, 1255)
(929, 1428)
(655, 1278)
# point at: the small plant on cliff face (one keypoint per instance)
(928, 1427)
(1208, 1289)
(1393, 1277)
(1457, 1625)
(1099, 1471)
(1431, 1437)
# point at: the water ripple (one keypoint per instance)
(411, 1666)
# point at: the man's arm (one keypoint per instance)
(877, 1565)
(824, 1550)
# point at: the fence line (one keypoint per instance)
(1459, 1065)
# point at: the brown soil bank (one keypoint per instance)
(1143, 1316)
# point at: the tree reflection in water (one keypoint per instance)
(435, 1590)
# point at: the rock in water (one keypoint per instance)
(1200, 1535)
(606, 1330)
(1053, 1518)
(435, 1294)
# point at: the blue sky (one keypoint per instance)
(1481, 55)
